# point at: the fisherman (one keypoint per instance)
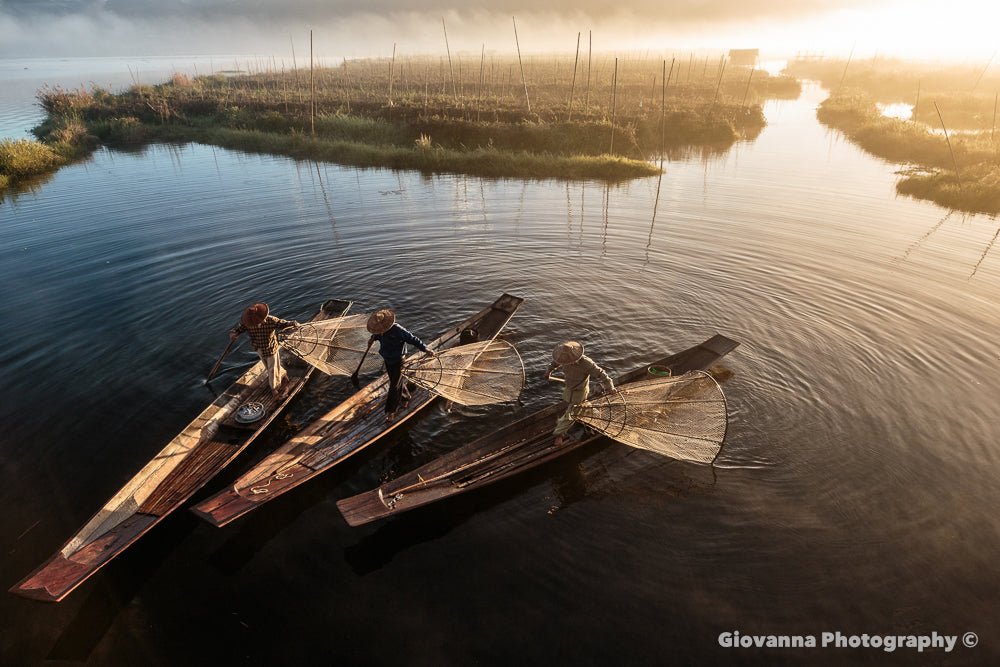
(260, 326)
(577, 369)
(392, 339)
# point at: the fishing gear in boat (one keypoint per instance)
(336, 346)
(473, 374)
(683, 417)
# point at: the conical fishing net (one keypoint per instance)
(473, 374)
(683, 417)
(334, 346)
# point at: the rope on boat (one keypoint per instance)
(257, 490)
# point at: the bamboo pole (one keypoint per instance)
(347, 93)
(722, 71)
(747, 91)
(590, 53)
(995, 98)
(614, 93)
(659, 179)
(295, 67)
(523, 80)
(983, 72)
(312, 90)
(448, 49)
(479, 92)
(392, 65)
(572, 89)
(663, 111)
(846, 65)
(958, 176)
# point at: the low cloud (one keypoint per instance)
(66, 28)
(326, 10)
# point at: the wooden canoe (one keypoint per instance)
(343, 431)
(515, 448)
(194, 456)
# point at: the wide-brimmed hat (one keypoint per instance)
(254, 315)
(568, 352)
(381, 321)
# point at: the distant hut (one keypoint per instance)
(744, 57)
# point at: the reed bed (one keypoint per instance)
(949, 142)
(536, 116)
(966, 94)
(959, 170)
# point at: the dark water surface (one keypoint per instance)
(856, 492)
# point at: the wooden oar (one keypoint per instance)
(226, 351)
(354, 375)
(219, 362)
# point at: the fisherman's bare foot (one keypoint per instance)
(559, 441)
(390, 416)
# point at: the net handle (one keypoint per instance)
(607, 400)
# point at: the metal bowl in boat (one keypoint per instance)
(249, 412)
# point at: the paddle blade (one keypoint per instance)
(473, 374)
(682, 417)
(335, 346)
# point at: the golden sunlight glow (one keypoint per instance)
(919, 29)
(914, 29)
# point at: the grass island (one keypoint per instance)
(601, 118)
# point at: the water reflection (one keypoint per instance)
(858, 390)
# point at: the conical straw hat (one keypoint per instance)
(568, 352)
(254, 315)
(381, 321)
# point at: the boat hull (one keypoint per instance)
(205, 446)
(515, 448)
(344, 431)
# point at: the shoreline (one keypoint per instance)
(365, 114)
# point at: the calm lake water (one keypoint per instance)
(856, 492)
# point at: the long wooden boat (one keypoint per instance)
(345, 430)
(194, 456)
(513, 449)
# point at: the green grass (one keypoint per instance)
(22, 158)
(488, 162)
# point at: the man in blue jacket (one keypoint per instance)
(392, 339)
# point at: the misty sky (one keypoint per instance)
(915, 28)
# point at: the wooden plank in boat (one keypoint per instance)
(194, 456)
(515, 448)
(345, 430)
